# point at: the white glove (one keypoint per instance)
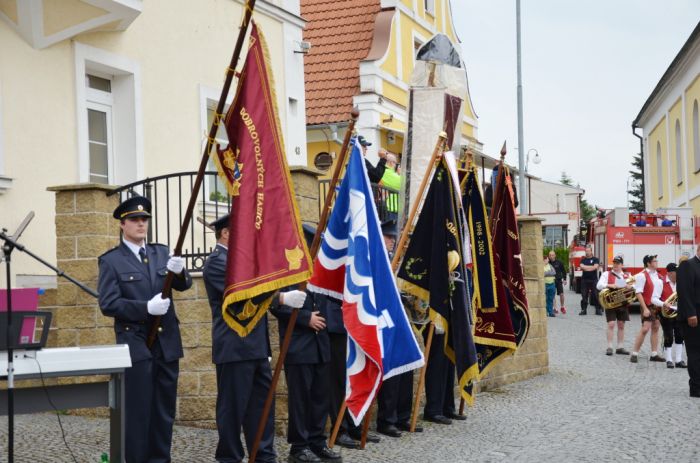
(176, 264)
(158, 306)
(439, 328)
(294, 299)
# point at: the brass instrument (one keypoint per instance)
(671, 300)
(614, 298)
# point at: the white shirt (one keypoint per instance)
(656, 296)
(135, 248)
(603, 280)
(640, 280)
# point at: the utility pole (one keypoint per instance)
(521, 142)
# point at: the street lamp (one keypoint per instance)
(536, 159)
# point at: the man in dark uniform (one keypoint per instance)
(394, 402)
(130, 282)
(589, 282)
(306, 371)
(688, 307)
(439, 382)
(243, 375)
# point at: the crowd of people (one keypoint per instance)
(668, 305)
(131, 277)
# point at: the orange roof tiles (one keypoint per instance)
(340, 32)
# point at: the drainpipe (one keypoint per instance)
(641, 151)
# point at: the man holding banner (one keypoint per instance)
(265, 252)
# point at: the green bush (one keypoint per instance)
(562, 255)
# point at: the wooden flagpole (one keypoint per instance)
(323, 221)
(421, 381)
(218, 117)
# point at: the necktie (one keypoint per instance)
(144, 260)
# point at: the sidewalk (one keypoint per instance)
(590, 408)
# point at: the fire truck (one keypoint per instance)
(668, 233)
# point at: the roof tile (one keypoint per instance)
(340, 32)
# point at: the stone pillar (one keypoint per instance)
(532, 358)
(306, 191)
(84, 230)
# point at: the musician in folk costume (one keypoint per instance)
(615, 279)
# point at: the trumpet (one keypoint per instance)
(672, 301)
(614, 298)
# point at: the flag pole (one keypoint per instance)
(421, 381)
(437, 154)
(218, 117)
(323, 220)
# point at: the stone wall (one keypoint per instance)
(531, 359)
(86, 229)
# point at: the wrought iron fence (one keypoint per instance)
(169, 196)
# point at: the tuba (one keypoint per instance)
(614, 298)
(671, 300)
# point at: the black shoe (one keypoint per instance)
(622, 351)
(389, 430)
(583, 312)
(681, 364)
(346, 441)
(303, 456)
(599, 311)
(656, 358)
(439, 419)
(326, 453)
(670, 365)
(455, 416)
(634, 358)
(694, 394)
(371, 436)
(406, 426)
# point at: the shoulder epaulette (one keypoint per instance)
(108, 251)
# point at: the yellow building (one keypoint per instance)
(114, 91)
(362, 54)
(670, 123)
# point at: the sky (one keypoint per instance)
(588, 67)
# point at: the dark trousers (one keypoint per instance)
(691, 336)
(672, 331)
(307, 401)
(395, 400)
(439, 380)
(589, 294)
(151, 393)
(241, 392)
(336, 371)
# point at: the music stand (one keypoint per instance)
(18, 337)
(10, 244)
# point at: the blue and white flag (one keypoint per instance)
(353, 265)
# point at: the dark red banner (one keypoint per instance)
(266, 249)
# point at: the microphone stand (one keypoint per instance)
(9, 245)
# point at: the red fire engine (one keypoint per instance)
(576, 253)
(669, 233)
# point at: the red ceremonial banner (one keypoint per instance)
(267, 250)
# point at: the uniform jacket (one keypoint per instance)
(688, 286)
(307, 346)
(125, 288)
(333, 310)
(227, 345)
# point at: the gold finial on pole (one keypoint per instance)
(503, 152)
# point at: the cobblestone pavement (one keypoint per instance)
(590, 407)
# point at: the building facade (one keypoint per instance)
(114, 91)
(362, 55)
(670, 125)
(559, 206)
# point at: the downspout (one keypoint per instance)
(641, 151)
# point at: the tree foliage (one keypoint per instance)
(636, 187)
